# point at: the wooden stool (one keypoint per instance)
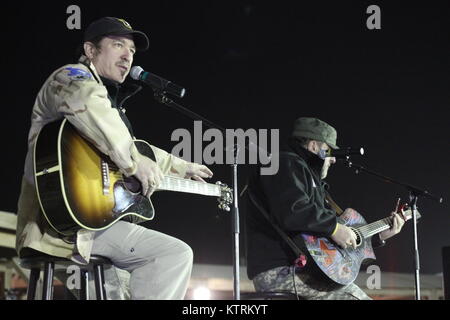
(47, 262)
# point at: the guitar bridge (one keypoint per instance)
(105, 177)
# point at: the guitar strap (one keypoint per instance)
(333, 204)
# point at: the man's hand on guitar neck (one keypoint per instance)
(397, 224)
(197, 172)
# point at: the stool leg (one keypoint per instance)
(84, 281)
(32, 283)
(47, 291)
(99, 277)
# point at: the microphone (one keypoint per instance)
(156, 82)
(344, 153)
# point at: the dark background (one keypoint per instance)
(251, 65)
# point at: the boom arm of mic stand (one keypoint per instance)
(162, 98)
(412, 189)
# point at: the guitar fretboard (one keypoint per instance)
(171, 183)
(378, 226)
(375, 227)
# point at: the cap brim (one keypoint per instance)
(140, 39)
(332, 146)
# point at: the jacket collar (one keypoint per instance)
(85, 61)
(117, 92)
(313, 160)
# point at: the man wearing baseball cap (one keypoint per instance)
(114, 26)
(91, 96)
(294, 201)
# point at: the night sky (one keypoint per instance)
(251, 65)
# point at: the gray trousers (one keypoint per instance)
(148, 264)
(282, 279)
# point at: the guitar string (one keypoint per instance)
(374, 228)
(374, 231)
(379, 226)
(376, 224)
(202, 185)
(211, 188)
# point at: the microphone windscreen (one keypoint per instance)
(135, 72)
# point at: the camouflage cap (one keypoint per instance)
(315, 129)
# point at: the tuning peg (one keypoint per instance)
(397, 205)
(224, 206)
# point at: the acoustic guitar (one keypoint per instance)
(339, 265)
(80, 187)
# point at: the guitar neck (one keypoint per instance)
(375, 227)
(171, 183)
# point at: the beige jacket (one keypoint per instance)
(77, 93)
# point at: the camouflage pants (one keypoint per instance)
(281, 279)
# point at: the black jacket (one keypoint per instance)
(295, 199)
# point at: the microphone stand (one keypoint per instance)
(414, 194)
(162, 98)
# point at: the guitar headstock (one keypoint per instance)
(406, 212)
(226, 196)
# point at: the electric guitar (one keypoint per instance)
(80, 187)
(339, 265)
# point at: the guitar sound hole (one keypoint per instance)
(358, 237)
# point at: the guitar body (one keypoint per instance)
(79, 187)
(340, 265)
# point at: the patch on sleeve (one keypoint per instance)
(78, 74)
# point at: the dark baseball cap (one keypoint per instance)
(114, 26)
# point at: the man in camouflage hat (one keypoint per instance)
(90, 95)
(294, 199)
(318, 137)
